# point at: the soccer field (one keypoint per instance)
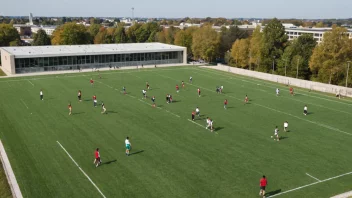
(52, 153)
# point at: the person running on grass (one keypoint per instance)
(128, 146)
(69, 109)
(263, 183)
(41, 95)
(79, 96)
(97, 160)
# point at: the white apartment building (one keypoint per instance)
(317, 33)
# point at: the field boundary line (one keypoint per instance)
(313, 177)
(311, 184)
(11, 178)
(85, 174)
(30, 83)
(291, 98)
(24, 103)
(313, 122)
(272, 85)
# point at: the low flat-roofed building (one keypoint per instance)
(16, 60)
(317, 33)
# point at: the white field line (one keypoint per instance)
(85, 174)
(31, 83)
(311, 184)
(280, 85)
(24, 104)
(322, 125)
(291, 98)
(172, 113)
(9, 84)
(196, 123)
(63, 75)
(313, 177)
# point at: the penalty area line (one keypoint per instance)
(85, 174)
(312, 177)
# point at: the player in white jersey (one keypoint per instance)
(41, 95)
(211, 125)
(128, 146)
(276, 134)
(277, 91)
(285, 126)
(305, 110)
(144, 92)
(208, 123)
(197, 112)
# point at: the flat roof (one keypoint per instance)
(313, 29)
(95, 49)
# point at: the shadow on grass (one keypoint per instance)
(78, 113)
(218, 128)
(109, 162)
(110, 112)
(271, 193)
(176, 101)
(137, 152)
(282, 138)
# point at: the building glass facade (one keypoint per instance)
(41, 64)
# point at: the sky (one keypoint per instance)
(307, 9)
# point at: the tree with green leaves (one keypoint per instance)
(329, 59)
(297, 55)
(205, 43)
(228, 37)
(71, 34)
(184, 38)
(93, 30)
(273, 44)
(120, 35)
(41, 38)
(9, 35)
(132, 32)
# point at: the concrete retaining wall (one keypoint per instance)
(15, 189)
(316, 86)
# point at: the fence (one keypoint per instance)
(316, 86)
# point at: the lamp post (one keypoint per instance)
(348, 68)
(297, 68)
(285, 65)
(273, 64)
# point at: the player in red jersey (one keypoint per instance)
(97, 160)
(183, 84)
(193, 114)
(91, 81)
(79, 95)
(177, 88)
(246, 99)
(291, 91)
(69, 109)
(263, 182)
(198, 92)
(225, 104)
(147, 85)
(95, 101)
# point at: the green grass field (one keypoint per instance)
(2, 73)
(5, 191)
(173, 156)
